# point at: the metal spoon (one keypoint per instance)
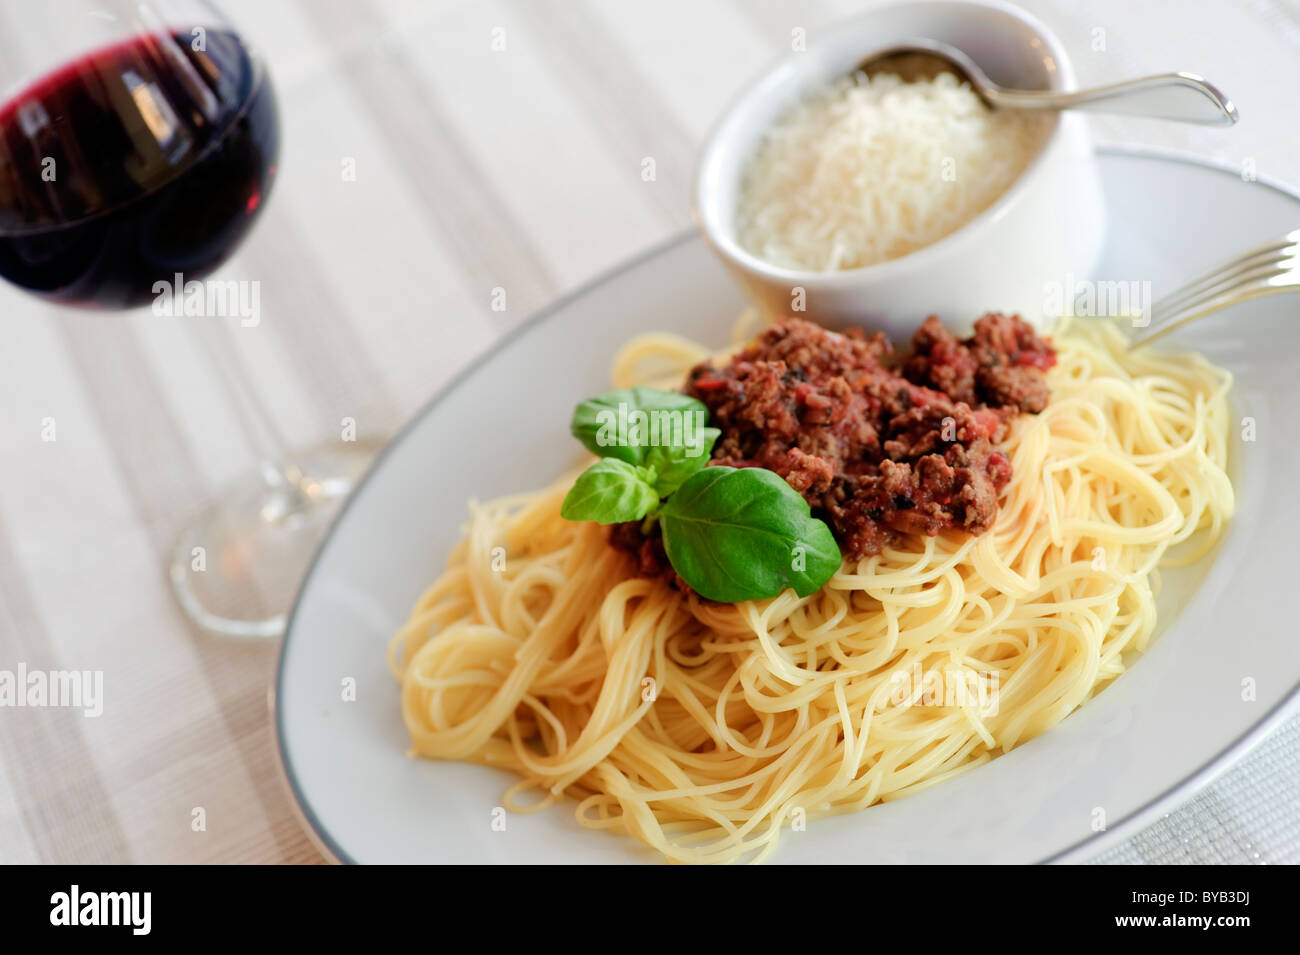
(1184, 97)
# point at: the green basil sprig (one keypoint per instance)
(731, 533)
(744, 533)
(638, 424)
(611, 491)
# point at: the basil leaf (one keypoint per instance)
(675, 463)
(611, 492)
(627, 422)
(744, 534)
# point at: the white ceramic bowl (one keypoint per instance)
(1045, 229)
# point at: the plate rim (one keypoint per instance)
(1133, 822)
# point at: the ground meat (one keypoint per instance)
(1000, 366)
(648, 549)
(877, 446)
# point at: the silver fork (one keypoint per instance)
(1264, 270)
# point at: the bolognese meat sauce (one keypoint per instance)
(877, 445)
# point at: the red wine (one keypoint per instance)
(137, 162)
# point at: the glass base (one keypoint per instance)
(236, 567)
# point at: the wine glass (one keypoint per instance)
(138, 144)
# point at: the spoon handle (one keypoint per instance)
(1185, 97)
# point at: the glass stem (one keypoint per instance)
(284, 480)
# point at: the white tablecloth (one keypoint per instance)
(475, 168)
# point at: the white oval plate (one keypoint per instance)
(1165, 727)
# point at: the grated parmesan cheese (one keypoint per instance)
(871, 169)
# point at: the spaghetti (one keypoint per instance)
(703, 729)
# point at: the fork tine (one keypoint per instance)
(1244, 291)
(1179, 303)
(1286, 244)
(1261, 257)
